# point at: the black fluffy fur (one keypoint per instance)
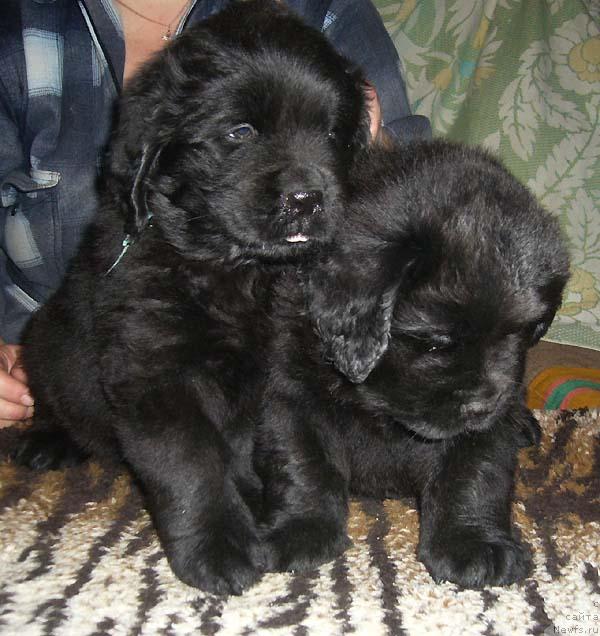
(232, 141)
(446, 271)
(250, 399)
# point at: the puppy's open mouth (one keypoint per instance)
(297, 238)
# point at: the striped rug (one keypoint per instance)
(564, 388)
(78, 556)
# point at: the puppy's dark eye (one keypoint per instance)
(439, 346)
(442, 343)
(242, 132)
(332, 135)
(436, 344)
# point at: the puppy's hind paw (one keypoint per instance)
(47, 450)
(476, 562)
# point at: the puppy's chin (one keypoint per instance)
(279, 251)
(433, 432)
(282, 240)
(454, 422)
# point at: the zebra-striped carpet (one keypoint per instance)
(78, 556)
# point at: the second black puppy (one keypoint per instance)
(228, 162)
(446, 272)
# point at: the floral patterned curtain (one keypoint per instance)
(521, 77)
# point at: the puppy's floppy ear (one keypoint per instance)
(362, 138)
(132, 158)
(539, 331)
(551, 294)
(352, 312)
(354, 115)
(351, 298)
(140, 215)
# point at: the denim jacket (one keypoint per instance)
(61, 70)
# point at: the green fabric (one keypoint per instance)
(522, 78)
(556, 398)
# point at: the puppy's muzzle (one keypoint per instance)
(302, 203)
(301, 217)
(482, 410)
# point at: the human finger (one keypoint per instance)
(13, 390)
(11, 413)
(373, 109)
(18, 372)
(9, 354)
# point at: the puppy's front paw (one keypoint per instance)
(303, 544)
(218, 566)
(474, 561)
(531, 431)
(47, 450)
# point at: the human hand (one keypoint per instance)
(373, 110)
(16, 402)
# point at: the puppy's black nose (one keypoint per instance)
(303, 202)
(481, 406)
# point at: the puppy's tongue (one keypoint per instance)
(297, 238)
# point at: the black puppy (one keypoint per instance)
(445, 272)
(227, 163)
